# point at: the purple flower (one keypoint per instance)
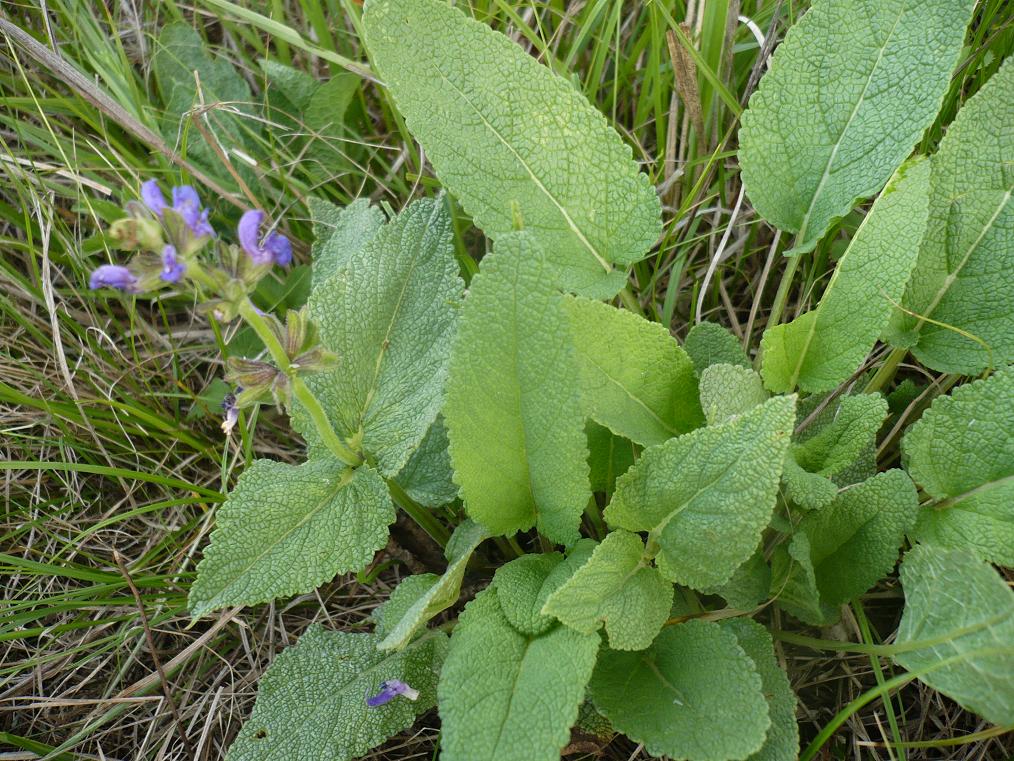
(389, 690)
(186, 203)
(275, 247)
(172, 267)
(113, 276)
(231, 413)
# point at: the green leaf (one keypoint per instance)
(286, 529)
(854, 542)
(809, 491)
(436, 597)
(507, 697)
(694, 694)
(962, 454)
(706, 496)
(427, 476)
(513, 141)
(749, 584)
(708, 343)
(959, 622)
(782, 741)
(325, 119)
(388, 614)
(390, 314)
(340, 234)
(513, 414)
(288, 89)
(311, 702)
(794, 583)
(617, 587)
(728, 391)
(609, 456)
(521, 587)
(963, 278)
(839, 434)
(821, 349)
(849, 93)
(635, 378)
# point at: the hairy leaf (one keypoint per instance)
(427, 476)
(635, 379)
(822, 348)
(504, 696)
(848, 94)
(964, 277)
(840, 433)
(706, 496)
(287, 529)
(794, 582)
(749, 584)
(515, 142)
(708, 343)
(340, 234)
(390, 314)
(961, 612)
(311, 702)
(609, 456)
(728, 391)
(694, 693)
(513, 413)
(962, 454)
(617, 587)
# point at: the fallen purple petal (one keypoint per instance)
(389, 690)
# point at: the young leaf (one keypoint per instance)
(340, 234)
(957, 631)
(963, 277)
(708, 343)
(513, 413)
(390, 314)
(635, 379)
(438, 596)
(504, 696)
(311, 702)
(389, 614)
(521, 587)
(848, 94)
(782, 741)
(287, 529)
(609, 456)
(962, 453)
(513, 141)
(808, 491)
(427, 476)
(854, 542)
(706, 496)
(749, 585)
(840, 433)
(694, 694)
(822, 348)
(728, 391)
(794, 582)
(619, 588)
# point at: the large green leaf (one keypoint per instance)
(515, 142)
(340, 233)
(694, 694)
(962, 454)
(782, 741)
(706, 496)
(390, 314)
(504, 696)
(435, 597)
(427, 476)
(617, 587)
(513, 413)
(848, 94)
(287, 529)
(964, 277)
(635, 378)
(957, 631)
(311, 702)
(822, 348)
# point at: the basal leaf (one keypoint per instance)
(609, 456)
(957, 631)
(427, 476)
(749, 585)
(706, 496)
(617, 587)
(389, 614)
(513, 414)
(635, 379)
(728, 391)
(694, 694)
(324, 119)
(963, 278)
(782, 741)
(794, 582)
(437, 596)
(521, 587)
(504, 696)
(390, 314)
(311, 702)
(513, 141)
(961, 451)
(822, 348)
(340, 233)
(854, 542)
(287, 529)
(808, 491)
(708, 343)
(849, 92)
(841, 432)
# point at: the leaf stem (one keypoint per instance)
(427, 521)
(629, 300)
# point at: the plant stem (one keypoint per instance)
(426, 520)
(781, 298)
(886, 372)
(629, 300)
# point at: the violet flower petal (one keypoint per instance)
(172, 267)
(113, 276)
(389, 690)
(248, 233)
(280, 248)
(152, 196)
